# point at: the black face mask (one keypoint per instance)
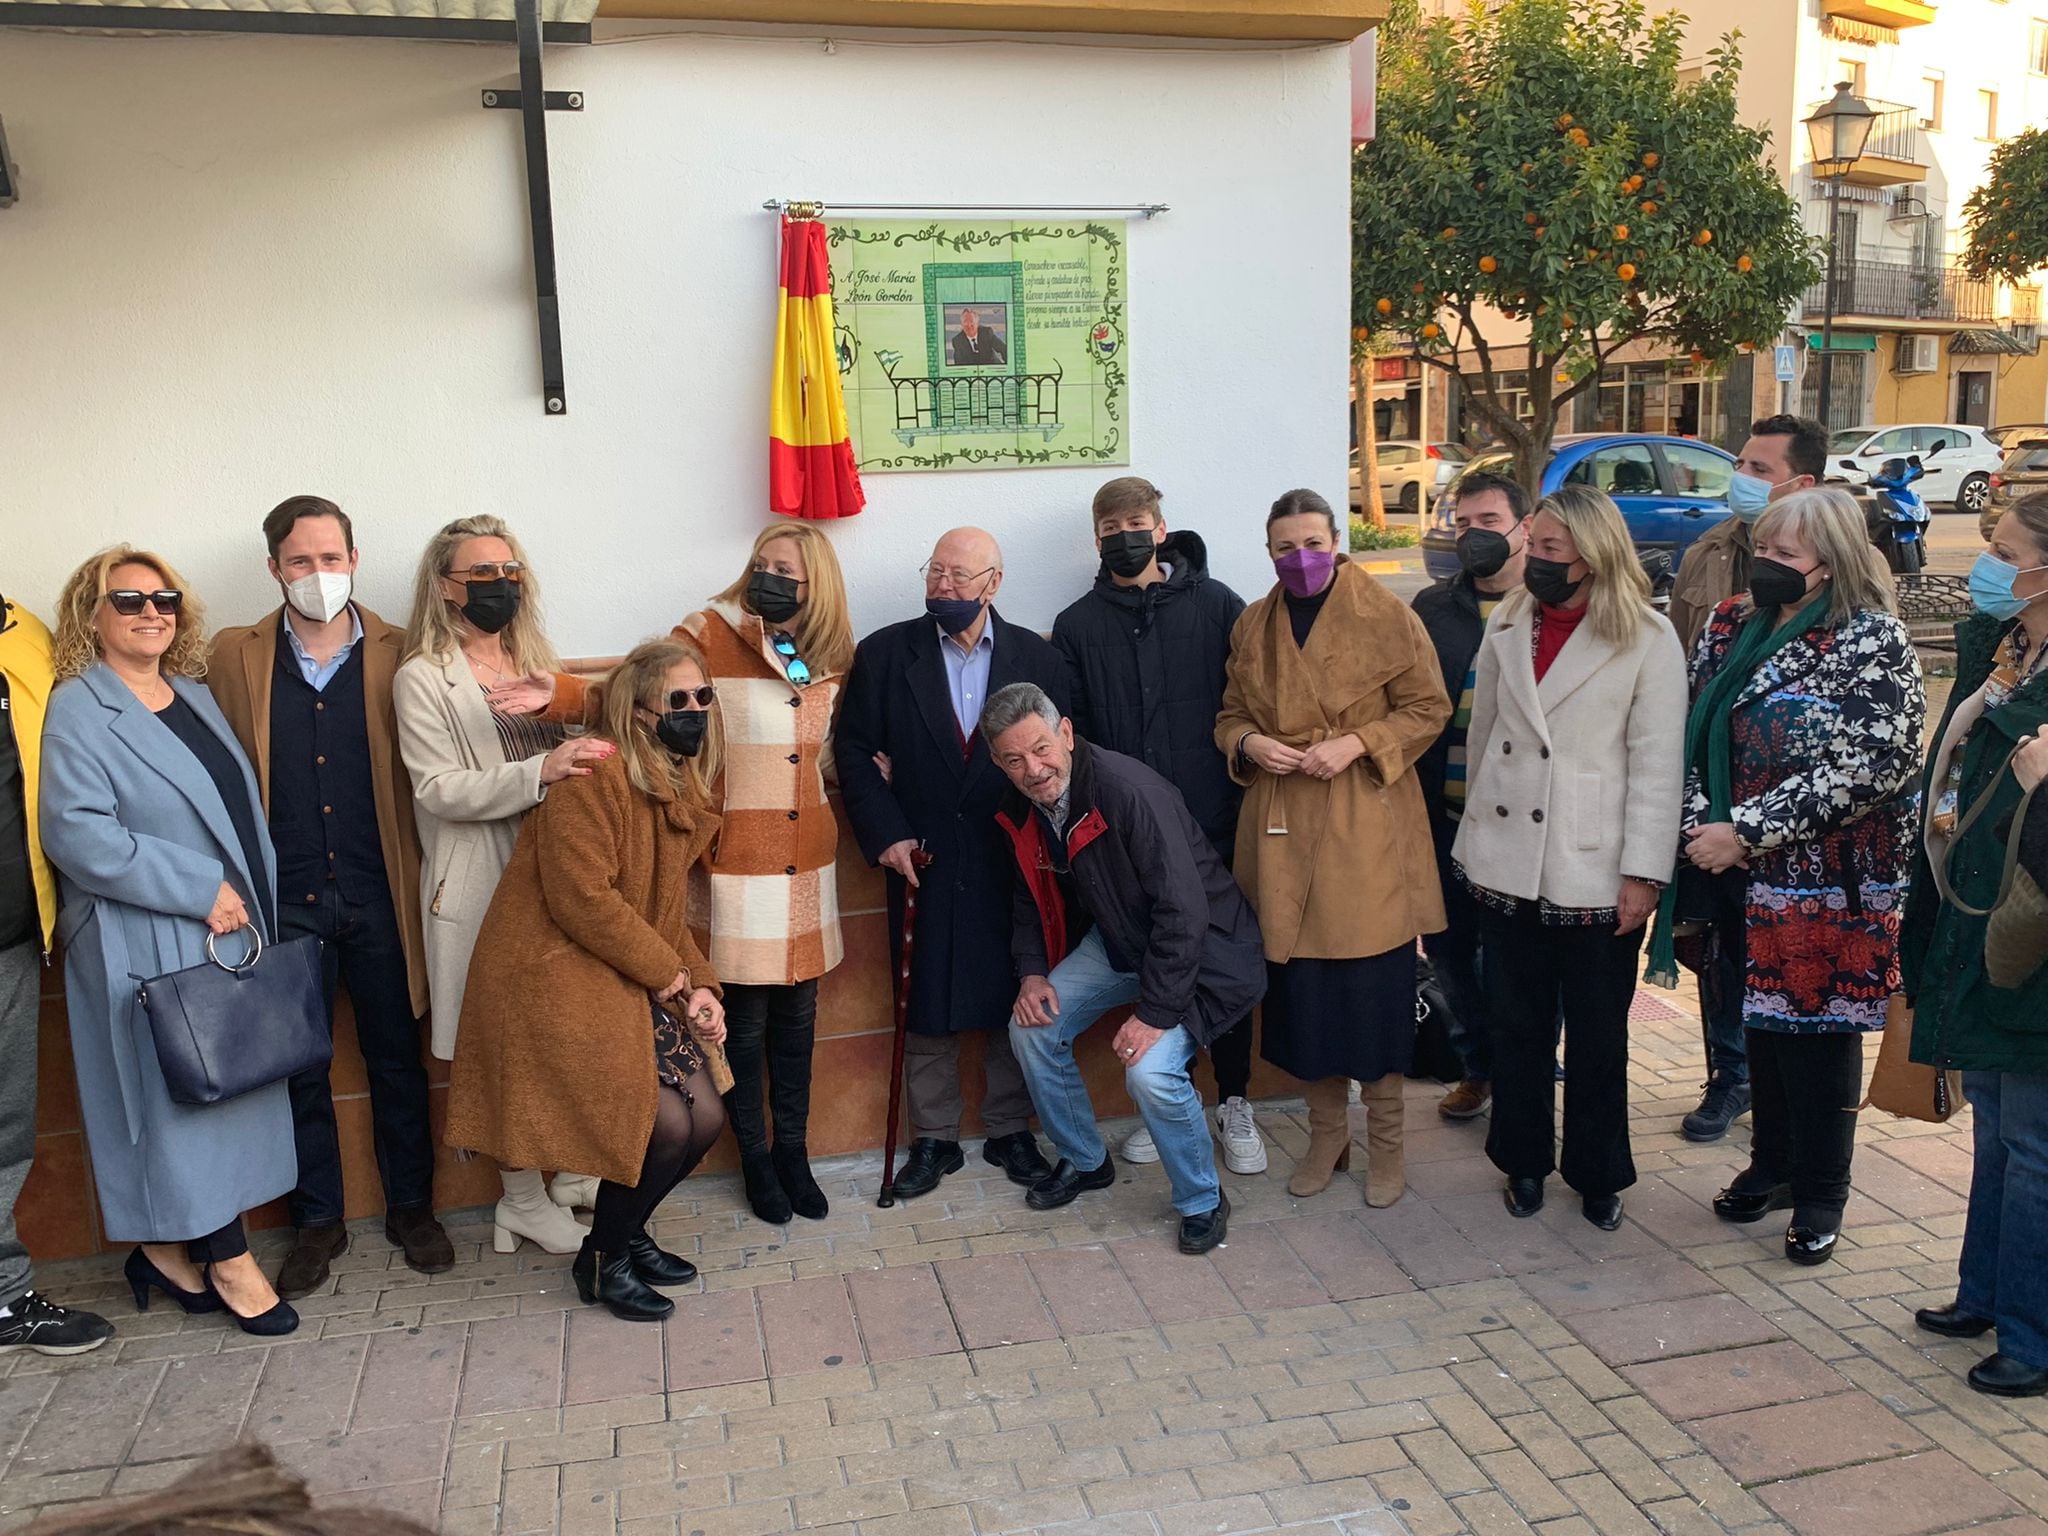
(1774, 584)
(1482, 552)
(773, 597)
(1128, 553)
(491, 605)
(1550, 581)
(681, 730)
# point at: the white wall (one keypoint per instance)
(247, 267)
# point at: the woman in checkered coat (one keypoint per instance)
(779, 642)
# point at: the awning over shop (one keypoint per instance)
(1985, 341)
(1842, 343)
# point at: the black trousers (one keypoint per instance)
(1804, 1090)
(1230, 1058)
(1455, 955)
(771, 1029)
(1724, 977)
(1532, 972)
(217, 1247)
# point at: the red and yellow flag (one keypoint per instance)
(810, 454)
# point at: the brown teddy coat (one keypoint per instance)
(556, 1064)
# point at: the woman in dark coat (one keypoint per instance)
(1802, 746)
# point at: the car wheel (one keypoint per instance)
(1974, 495)
(1411, 498)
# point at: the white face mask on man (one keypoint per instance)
(320, 596)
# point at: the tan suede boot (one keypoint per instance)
(1329, 1143)
(1386, 1173)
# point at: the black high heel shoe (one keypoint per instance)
(655, 1264)
(143, 1276)
(275, 1323)
(609, 1278)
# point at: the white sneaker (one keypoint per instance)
(1243, 1151)
(1138, 1147)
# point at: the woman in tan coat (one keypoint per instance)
(591, 1026)
(1333, 695)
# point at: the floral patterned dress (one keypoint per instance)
(1826, 747)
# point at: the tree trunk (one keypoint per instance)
(1375, 509)
(1532, 450)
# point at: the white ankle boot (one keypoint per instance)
(526, 1211)
(574, 1190)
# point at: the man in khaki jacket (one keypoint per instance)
(307, 692)
(1784, 454)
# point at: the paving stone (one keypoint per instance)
(90, 1419)
(1086, 1290)
(902, 1313)
(1765, 1444)
(1343, 1256)
(200, 1404)
(1928, 1492)
(1734, 1379)
(513, 1363)
(1263, 1271)
(809, 1326)
(411, 1377)
(1172, 1287)
(1427, 1247)
(1618, 1283)
(1658, 1330)
(375, 1458)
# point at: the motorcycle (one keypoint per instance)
(1898, 518)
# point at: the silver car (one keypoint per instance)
(1411, 473)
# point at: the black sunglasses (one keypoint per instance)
(679, 698)
(793, 664)
(128, 602)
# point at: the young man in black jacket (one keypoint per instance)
(1121, 900)
(1492, 544)
(1146, 651)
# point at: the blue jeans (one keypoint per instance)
(2002, 1274)
(1088, 987)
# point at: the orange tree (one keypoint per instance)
(1541, 162)
(2008, 215)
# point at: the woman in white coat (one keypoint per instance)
(480, 710)
(1570, 833)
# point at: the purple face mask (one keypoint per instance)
(1305, 572)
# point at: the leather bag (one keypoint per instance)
(225, 1030)
(1902, 1086)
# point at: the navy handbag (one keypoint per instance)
(224, 1030)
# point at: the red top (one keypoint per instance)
(1556, 628)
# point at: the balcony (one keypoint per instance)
(1880, 13)
(1329, 21)
(1896, 153)
(1897, 290)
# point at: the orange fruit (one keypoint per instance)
(1360, 333)
(1488, 264)
(1632, 183)
(1432, 330)
(1626, 271)
(1450, 232)
(1418, 287)
(1540, 228)
(1704, 237)
(1651, 159)
(1564, 121)
(1592, 255)
(1621, 231)
(1743, 263)
(1528, 166)
(1528, 218)
(1697, 355)
(1649, 207)
(1385, 306)
(1580, 137)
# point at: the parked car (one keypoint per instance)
(1412, 474)
(2024, 472)
(2004, 435)
(1959, 460)
(1670, 489)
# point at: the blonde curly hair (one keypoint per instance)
(77, 645)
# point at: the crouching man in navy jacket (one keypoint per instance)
(1123, 900)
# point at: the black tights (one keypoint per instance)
(687, 1121)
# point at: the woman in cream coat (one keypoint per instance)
(479, 706)
(1569, 836)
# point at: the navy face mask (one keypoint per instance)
(955, 615)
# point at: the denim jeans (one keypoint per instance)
(1088, 986)
(2002, 1275)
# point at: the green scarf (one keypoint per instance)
(1709, 751)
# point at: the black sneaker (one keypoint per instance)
(36, 1323)
(1198, 1234)
(1719, 1106)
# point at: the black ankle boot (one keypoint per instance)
(793, 1173)
(655, 1264)
(764, 1189)
(609, 1278)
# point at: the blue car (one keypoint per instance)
(1670, 489)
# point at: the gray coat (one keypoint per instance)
(141, 843)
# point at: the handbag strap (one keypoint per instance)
(2012, 846)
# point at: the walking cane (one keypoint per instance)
(919, 859)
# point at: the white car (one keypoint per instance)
(1411, 473)
(1959, 461)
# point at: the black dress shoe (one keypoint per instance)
(1952, 1322)
(765, 1194)
(1809, 1246)
(609, 1278)
(655, 1264)
(793, 1172)
(1745, 1205)
(305, 1268)
(1018, 1156)
(144, 1277)
(413, 1230)
(1604, 1211)
(2003, 1376)
(930, 1161)
(1059, 1187)
(1198, 1234)
(1523, 1197)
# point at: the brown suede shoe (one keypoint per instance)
(426, 1245)
(1468, 1099)
(305, 1268)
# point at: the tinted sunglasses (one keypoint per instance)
(490, 570)
(793, 664)
(680, 698)
(128, 602)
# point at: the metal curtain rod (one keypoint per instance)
(787, 205)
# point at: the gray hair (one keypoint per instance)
(1014, 704)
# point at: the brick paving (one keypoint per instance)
(963, 1366)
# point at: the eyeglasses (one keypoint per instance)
(680, 698)
(128, 603)
(491, 570)
(793, 664)
(934, 574)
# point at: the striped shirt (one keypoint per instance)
(524, 736)
(1461, 721)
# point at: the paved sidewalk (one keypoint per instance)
(962, 1365)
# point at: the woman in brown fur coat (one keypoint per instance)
(591, 1025)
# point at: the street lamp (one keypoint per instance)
(1837, 131)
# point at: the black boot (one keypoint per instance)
(655, 1264)
(764, 1189)
(609, 1278)
(793, 1173)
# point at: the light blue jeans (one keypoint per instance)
(1088, 987)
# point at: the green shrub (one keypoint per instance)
(1364, 536)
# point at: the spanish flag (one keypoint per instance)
(810, 455)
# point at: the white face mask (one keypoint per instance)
(320, 596)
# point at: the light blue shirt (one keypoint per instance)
(317, 673)
(967, 674)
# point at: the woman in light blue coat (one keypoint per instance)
(155, 826)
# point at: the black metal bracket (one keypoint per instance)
(533, 104)
(557, 101)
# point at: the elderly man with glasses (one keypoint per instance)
(922, 793)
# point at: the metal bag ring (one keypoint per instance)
(255, 951)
